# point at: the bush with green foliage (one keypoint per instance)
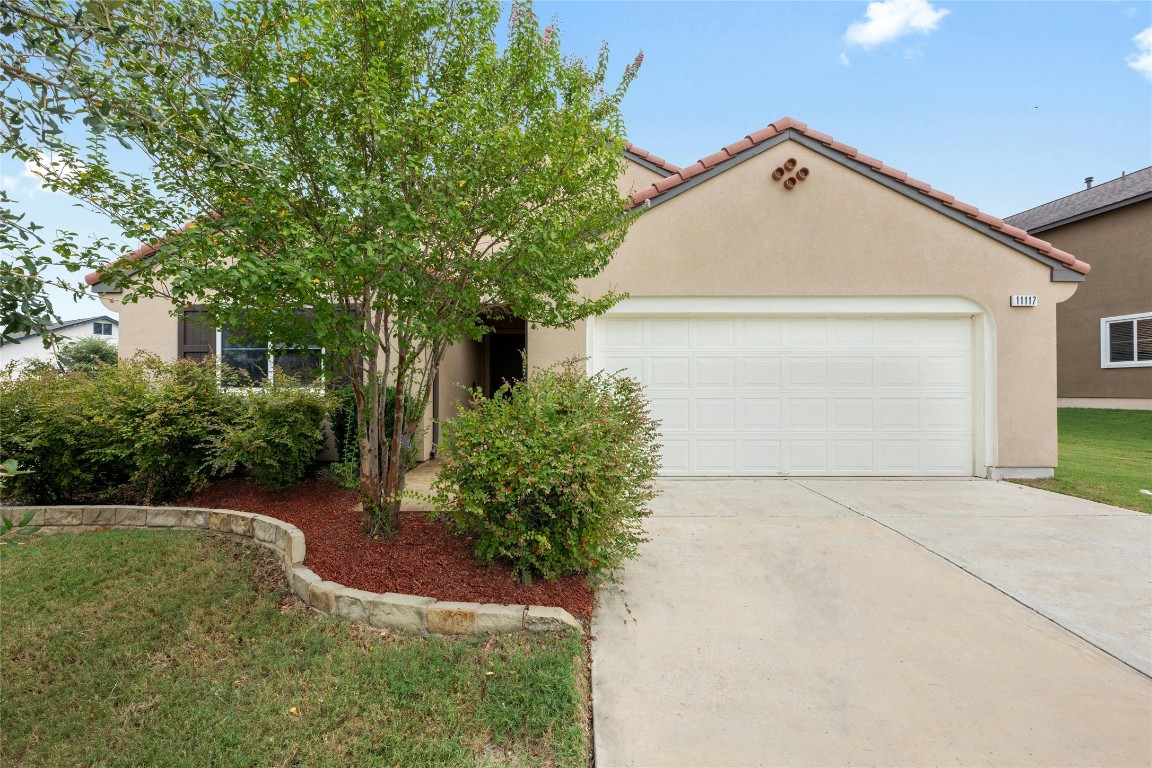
(277, 434)
(58, 426)
(144, 430)
(86, 354)
(554, 475)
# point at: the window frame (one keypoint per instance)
(1106, 341)
(96, 325)
(318, 385)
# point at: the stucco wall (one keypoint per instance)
(839, 233)
(1118, 245)
(145, 326)
(635, 178)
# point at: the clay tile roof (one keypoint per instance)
(645, 196)
(646, 155)
(143, 252)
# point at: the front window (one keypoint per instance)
(261, 360)
(102, 329)
(1126, 341)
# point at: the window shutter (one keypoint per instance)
(196, 336)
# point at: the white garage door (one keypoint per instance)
(802, 395)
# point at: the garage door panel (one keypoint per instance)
(806, 413)
(852, 455)
(669, 332)
(807, 456)
(945, 371)
(802, 396)
(761, 332)
(673, 413)
(715, 372)
(716, 455)
(899, 372)
(806, 333)
(853, 332)
(624, 333)
(628, 366)
(674, 456)
(898, 333)
(716, 334)
(665, 372)
(715, 413)
(760, 456)
(853, 414)
(898, 414)
(807, 372)
(760, 372)
(853, 372)
(760, 413)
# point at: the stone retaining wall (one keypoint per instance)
(397, 613)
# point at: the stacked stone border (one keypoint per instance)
(407, 614)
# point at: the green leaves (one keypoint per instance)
(553, 476)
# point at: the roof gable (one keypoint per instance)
(1064, 266)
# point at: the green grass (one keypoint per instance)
(180, 649)
(1105, 455)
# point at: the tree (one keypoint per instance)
(380, 177)
(86, 354)
(55, 61)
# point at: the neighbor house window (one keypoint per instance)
(102, 329)
(262, 359)
(1126, 341)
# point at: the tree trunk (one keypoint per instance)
(394, 476)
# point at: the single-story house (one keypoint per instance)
(796, 307)
(1104, 332)
(31, 346)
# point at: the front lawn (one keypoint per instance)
(1105, 455)
(185, 649)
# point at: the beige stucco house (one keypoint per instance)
(797, 308)
(1104, 332)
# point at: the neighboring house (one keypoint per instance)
(796, 308)
(1104, 332)
(31, 347)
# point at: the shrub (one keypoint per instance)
(554, 475)
(277, 435)
(57, 426)
(139, 430)
(86, 354)
(172, 425)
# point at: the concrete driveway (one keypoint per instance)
(824, 622)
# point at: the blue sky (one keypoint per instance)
(1004, 105)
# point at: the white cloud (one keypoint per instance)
(887, 20)
(844, 59)
(1141, 61)
(40, 172)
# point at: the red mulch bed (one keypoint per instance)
(424, 559)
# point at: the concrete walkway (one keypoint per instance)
(888, 623)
